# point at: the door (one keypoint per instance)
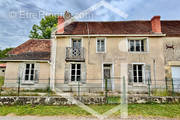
(176, 78)
(76, 47)
(107, 76)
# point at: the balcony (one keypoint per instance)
(75, 54)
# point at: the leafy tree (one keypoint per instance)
(3, 53)
(44, 29)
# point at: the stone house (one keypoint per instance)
(88, 53)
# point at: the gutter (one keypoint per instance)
(116, 35)
(24, 60)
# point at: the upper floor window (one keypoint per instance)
(137, 45)
(100, 45)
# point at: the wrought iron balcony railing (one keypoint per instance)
(74, 54)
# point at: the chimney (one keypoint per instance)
(60, 24)
(156, 24)
(67, 15)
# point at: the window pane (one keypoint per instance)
(135, 79)
(73, 72)
(32, 66)
(27, 66)
(32, 72)
(72, 78)
(73, 66)
(26, 77)
(142, 45)
(78, 66)
(131, 45)
(140, 79)
(78, 72)
(31, 77)
(137, 45)
(78, 78)
(27, 71)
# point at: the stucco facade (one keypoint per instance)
(116, 54)
(12, 75)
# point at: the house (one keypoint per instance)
(2, 69)
(91, 54)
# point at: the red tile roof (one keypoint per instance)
(3, 65)
(32, 45)
(171, 28)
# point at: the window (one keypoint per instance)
(29, 72)
(75, 72)
(100, 45)
(138, 73)
(137, 45)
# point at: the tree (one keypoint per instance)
(43, 31)
(3, 53)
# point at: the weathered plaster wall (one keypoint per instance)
(116, 54)
(12, 71)
(1, 71)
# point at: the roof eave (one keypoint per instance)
(115, 35)
(24, 60)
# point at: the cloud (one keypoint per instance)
(15, 30)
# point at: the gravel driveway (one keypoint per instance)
(12, 117)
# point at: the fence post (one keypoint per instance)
(48, 87)
(166, 84)
(149, 88)
(172, 88)
(19, 85)
(106, 90)
(78, 90)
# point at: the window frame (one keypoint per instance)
(137, 73)
(101, 38)
(75, 75)
(145, 46)
(29, 74)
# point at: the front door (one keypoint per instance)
(107, 76)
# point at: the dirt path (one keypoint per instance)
(12, 117)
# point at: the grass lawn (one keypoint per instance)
(1, 81)
(160, 110)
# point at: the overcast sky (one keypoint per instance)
(18, 16)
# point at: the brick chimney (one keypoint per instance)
(60, 24)
(156, 24)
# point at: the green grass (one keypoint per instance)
(160, 110)
(1, 81)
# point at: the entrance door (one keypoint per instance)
(176, 78)
(107, 76)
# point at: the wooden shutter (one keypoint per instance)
(21, 72)
(130, 74)
(67, 73)
(83, 73)
(37, 69)
(147, 74)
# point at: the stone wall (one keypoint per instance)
(36, 100)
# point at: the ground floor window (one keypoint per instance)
(29, 72)
(138, 73)
(75, 72)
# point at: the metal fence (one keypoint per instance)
(166, 87)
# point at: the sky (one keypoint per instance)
(18, 16)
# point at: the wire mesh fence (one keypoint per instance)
(108, 88)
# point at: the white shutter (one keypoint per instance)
(130, 74)
(83, 73)
(147, 74)
(36, 72)
(67, 73)
(21, 72)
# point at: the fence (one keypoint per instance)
(112, 91)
